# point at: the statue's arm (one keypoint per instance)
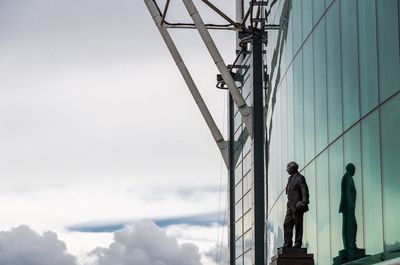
(305, 196)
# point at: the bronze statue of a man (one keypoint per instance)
(297, 205)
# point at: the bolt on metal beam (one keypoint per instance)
(244, 110)
(216, 133)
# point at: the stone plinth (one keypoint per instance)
(292, 256)
(347, 256)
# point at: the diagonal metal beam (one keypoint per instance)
(216, 133)
(244, 110)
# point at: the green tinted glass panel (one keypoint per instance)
(297, 35)
(285, 125)
(371, 175)
(388, 45)
(321, 112)
(289, 39)
(336, 172)
(390, 119)
(290, 114)
(306, 12)
(367, 55)
(349, 48)
(334, 87)
(327, 3)
(298, 110)
(308, 82)
(310, 220)
(318, 10)
(322, 191)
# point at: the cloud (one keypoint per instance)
(205, 219)
(24, 246)
(146, 244)
(218, 254)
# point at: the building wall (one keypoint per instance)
(335, 99)
(242, 175)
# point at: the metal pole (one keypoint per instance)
(219, 139)
(244, 110)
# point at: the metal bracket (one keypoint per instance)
(259, 3)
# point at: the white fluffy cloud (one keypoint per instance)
(146, 244)
(218, 254)
(23, 246)
(141, 244)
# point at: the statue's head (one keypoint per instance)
(292, 168)
(351, 169)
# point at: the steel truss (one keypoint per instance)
(257, 26)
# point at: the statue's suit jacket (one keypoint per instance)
(297, 191)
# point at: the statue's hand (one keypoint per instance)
(301, 206)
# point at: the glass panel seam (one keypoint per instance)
(341, 66)
(327, 131)
(381, 162)
(379, 120)
(315, 136)
(361, 131)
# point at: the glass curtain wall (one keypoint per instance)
(242, 174)
(335, 100)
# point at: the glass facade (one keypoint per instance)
(335, 100)
(241, 174)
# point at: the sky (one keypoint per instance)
(104, 156)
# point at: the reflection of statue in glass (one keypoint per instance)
(297, 205)
(348, 208)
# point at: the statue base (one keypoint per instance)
(347, 256)
(292, 256)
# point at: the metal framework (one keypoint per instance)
(216, 133)
(226, 74)
(251, 27)
(162, 25)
